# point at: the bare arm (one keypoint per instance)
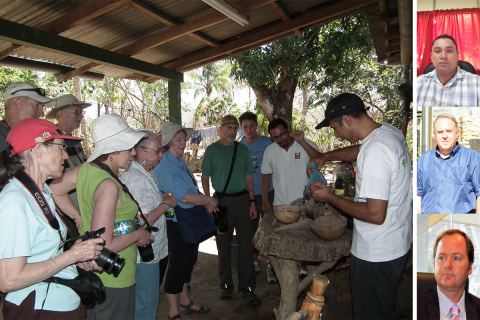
(168, 201)
(206, 185)
(60, 188)
(373, 211)
(299, 136)
(343, 154)
(266, 180)
(16, 273)
(105, 203)
(251, 195)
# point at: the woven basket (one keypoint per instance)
(287, 213)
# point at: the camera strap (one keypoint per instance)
(231, 169)
(107, 169)
(37, 195)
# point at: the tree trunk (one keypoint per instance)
(277, 103)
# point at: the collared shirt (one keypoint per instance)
(463, 90)
(173, 175)
(446, 304)
(449, 185)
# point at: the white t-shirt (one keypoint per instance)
(142, 186)
(25, 232)
(288, 170)
(384, 172)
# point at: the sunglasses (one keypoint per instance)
(40, 91)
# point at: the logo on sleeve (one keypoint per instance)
(297, 155)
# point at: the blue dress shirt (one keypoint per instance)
(449, 185)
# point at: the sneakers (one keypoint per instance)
(251, 297)
(271, 277)
(257, 266)
(226, 293)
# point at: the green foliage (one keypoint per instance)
(210, 111)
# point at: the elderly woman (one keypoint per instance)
(105, 203)
(139, 180)
(31, 232)
(172, 175)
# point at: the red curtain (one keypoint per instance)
(462, 24)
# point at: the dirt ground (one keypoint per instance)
(206, 290)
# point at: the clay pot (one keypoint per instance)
(287, 213)
(329, 227)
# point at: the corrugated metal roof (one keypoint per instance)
(157, 32)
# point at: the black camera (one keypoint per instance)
(146, 253)
(111, 262)
(221, 219)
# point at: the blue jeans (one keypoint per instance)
(147, 291)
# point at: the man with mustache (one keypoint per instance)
(448, 176)
(447, 85)
(449, 299)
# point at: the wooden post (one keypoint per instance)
(174, 102)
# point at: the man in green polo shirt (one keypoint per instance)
(239, 198)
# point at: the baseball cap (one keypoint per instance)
(229, 119)
(26, 89)
(27, 133)
(341, 105)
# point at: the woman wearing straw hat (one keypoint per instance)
(105, 203)
(173, 175)
(31, 232)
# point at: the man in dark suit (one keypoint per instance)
(449, 298)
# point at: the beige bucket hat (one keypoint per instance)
(65, 101)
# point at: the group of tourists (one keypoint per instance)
(124, 201)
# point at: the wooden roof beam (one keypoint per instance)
(24, 35)
(283, 14)
(155, 14)
(13, 48)
(254, 38)
(84, 13)
(165, 35)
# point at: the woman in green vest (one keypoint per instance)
(105, 204)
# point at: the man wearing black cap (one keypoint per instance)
(382, 208)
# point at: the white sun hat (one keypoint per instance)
(111, 133)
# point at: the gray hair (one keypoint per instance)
(445, 116)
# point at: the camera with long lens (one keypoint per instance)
(111, 262)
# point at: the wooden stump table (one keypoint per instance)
(287, 246)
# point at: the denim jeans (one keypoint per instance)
(147, 291)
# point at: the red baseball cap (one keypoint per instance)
(27, 133)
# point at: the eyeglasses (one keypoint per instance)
(62, 146)
(156, 150)
(40, 91)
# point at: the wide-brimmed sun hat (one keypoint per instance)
(111, 133)
(63, 102)
(27, 133)
(26, 89)
(168, 130)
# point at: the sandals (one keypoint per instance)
(187, 309)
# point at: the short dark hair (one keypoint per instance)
(355, 114)
(248, 116)
(470, 248)
(446, 36)
(277, 122)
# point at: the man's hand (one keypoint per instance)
(321, 192)
(298, 135)
(253, 211)
(267, 207)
